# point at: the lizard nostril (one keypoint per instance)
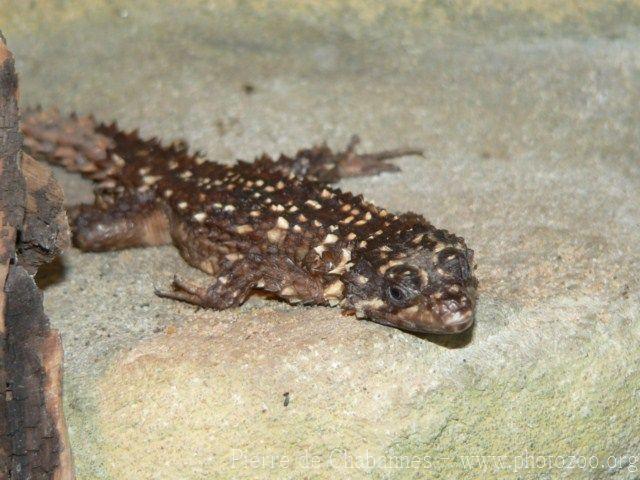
(451, 306)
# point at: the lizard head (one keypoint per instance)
(421, 281)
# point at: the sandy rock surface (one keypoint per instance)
(532, 155)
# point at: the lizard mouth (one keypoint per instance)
(458, 321)
(455, 314)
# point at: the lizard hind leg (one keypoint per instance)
(126, 222)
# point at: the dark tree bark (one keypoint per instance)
(33, 230)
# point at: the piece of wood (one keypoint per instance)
(45, 229)
(52, 361)
(33, 230)
(11, 214)
(33, 354)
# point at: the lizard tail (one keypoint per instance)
(77, 143)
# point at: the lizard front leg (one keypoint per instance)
(322, 164)
(272, 273)
(230, 289)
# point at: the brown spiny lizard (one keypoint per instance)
(274, 224)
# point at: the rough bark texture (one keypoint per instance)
(11, 216)
(45, 229)
(33, 229)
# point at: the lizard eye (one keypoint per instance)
(400, 295)
(396, 294)
(402, 285)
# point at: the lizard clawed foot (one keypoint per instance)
(352, 164)
(214, 296)
(185, 291)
